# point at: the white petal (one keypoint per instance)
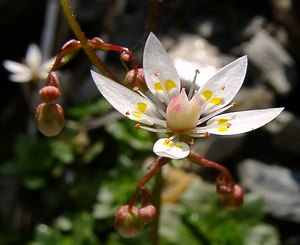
(15, 67)
(160, 74)
(47, 65)
(33, 57)
(221, 88)
(174, 150)
(21, 77)
(125, 100)
(241, 122)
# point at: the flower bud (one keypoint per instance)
(49, 93)
(148, 213)
(128, 222)
(182, 114)
(125, 57)
(49, 118)
(137, 80)
(234, 199)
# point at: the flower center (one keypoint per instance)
(182, 114)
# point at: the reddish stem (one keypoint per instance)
(197, 158)
(158, 163)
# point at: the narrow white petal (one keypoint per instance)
(172, 149)
(240, 122)
(15, 67)
(161, 76)
(125, 101)
(21, 77)
(33, 57)
(221, 88)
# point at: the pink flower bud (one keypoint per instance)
(128, 222)
(182, 115)
(148, 213)
(133, 80)
(49, 93)
(49, 118)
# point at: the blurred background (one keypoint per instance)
(64, 190)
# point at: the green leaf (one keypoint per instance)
(62, 151)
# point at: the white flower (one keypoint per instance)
(33, 68)
(167, 108)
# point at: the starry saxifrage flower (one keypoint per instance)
(183, 113)
(33, 68)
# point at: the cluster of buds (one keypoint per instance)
(49, 115)
(129, 220)
(231, 195)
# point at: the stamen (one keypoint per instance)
(202, 120)
(127, 113)
(206, 135)
(228, 125)
(137, 126)
(160, 111)
(193, 84)
(165, 94)
(155, 130)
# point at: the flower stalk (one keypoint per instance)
(84, 40)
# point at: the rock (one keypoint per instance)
(257, 97)
(274, 63)
(192, 52)
(218, 148)
(285, 131)
(278, 186)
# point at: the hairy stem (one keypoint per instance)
(83, 40)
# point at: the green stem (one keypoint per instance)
(157, 191)
(83, 40)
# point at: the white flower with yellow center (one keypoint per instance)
(167, 108)
(33, 69)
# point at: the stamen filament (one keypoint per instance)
(191, 91)
(155, 130)
(202, 120)
(158, 109)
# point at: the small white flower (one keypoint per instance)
(167, 108)
(33, 68)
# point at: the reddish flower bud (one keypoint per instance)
(128, 222)
(148, 213)
(233, 200)
(125, 57)
(49, 93)
(49, 118)
(137, 80)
